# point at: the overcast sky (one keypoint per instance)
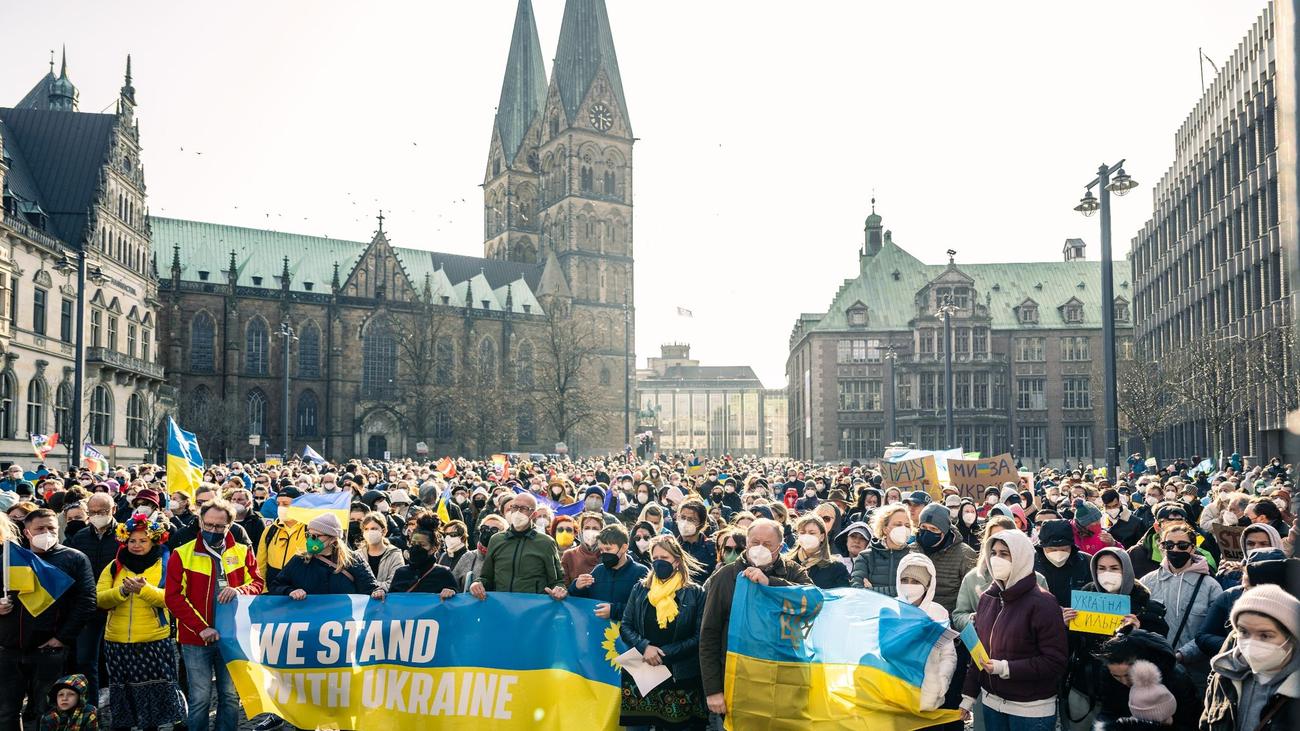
(764, 128)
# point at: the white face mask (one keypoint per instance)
(540, 524)
(589, 536)
(519, 521)
(912, 592)
(1000, 568)
(1265, 657)
(1112, 512)
(686, 528)
(374, 536)
(453, 543)
(809, 542)
(1110, 580)
(969, 517)
(991, 500)
(1058, 558)
(642, 544)
(898, 534)
(100, 521)
(1229, 518)
(758, 556)
(145, 510)
(642, 498)
(1280, 503)
(1152, 500)
(44, 541)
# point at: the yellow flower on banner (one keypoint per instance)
(611, 636)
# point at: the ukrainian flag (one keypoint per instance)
(444, 516)
(39, 584)
(307, 507)
(804, 658)
(184, 460)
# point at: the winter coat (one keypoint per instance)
(1126, 529)
(830, 574)
(81, 717)
(526, 562)
(951, 564)
(1070, 577)
(1176, 591)
(192, 584)
(878, 565)
(1022, 625)
(1146, 555)
(682, 655)
(63, 620)
(135, 617)
(389, 562)
(432, 580)
(941, 663)
(470, 562)
(973, 585)
(612, 585)
(705, 551)
(1229, 677)
(1215, 627)
(100, 548)
(314, 576)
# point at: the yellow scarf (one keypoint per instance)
(663, 595)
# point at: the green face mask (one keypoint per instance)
(315, 545)
(730, 556)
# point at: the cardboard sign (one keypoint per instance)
(1229, 540)
(912, 474)
(972, 476)
(1098, 612)
(972, 641)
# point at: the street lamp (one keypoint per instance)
(945, 313)
(891, 355)
(286, 332)
(1120, 185)
(96, 275)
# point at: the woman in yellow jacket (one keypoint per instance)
(138, 649)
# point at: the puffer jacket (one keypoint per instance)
(314, 576)
(878, 565)
(682, 655)
(951, 565)
(139, 617)
(1022, 625)
(1181, 599)
(968, 597)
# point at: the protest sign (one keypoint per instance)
(971, 476)
(413, 662)
(912, 474)
(1098, 612)
(1229, 539)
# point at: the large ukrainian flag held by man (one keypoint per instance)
(184, 460)
(805, 658)
(39, 584)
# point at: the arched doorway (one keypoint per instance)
(376, 446)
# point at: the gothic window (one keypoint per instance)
(309, 352)
(524, 374)
(555, 125)
(487, 362)
(135, 421)
(8, 406)
(36, 406)
(101, 415)
(442, 423)
(586, 180)
(199, 402)
(255, 348)
(62, 406)
(444, 357)
(379, 362)
(611, 188)
(308, 407)
(256, 412)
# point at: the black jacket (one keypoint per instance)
(682, 655)
(101, 550)
(408, 579)
(1061, 581)
(190, 531)
(314, 576)
(832, 574)
(63, 620)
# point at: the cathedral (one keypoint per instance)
(375, 349)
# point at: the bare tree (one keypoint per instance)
(220, 425)
(1215, 384)
(1271, 359)
(483, 409)
(1147, 403)
(425, 369)
(565, 357)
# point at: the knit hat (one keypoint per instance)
(1085, 513)
(938, 516)
(1273, 602)
(1269, 566)
(1055, 534)
(7, 500)
(326, 524)
(1149, 699)
(917, 572)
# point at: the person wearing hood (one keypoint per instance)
(1254, 684)
(951, 557)
(1262, 566)
(869, 498)
(915, 586)
(1184, 586)
(1021, 629)
(1254, 537)
(877, 567)
(855, 538)
(642, 532)
(379, 502)
(1059, 559)
(812, 552)
(69, 708)
(976, 581)
(969, 524)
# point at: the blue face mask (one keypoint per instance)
(213, 538)
(928, 539)
(663, 569)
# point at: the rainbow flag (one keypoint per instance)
(803, 657)
(39, 584)
(184, 460)
(43, 443)
(501, 464)
(92, 459)
(307, 507)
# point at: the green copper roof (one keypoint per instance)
(890, 280)
(523, 90)
(586, 46)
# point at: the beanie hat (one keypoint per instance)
(7, 500)
(1268, 566)
(1085, 513)
(1149, 699)
(326, 524)
(1273, 602)
(1055, 533)
(938, 516)
(916, 572)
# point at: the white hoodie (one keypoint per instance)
(942, 660)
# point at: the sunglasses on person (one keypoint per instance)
(1176, 546)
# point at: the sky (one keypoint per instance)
(764, 128)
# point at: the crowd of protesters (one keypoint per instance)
(1204, 557)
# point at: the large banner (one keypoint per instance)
(972, 476)
(413, 662)
(809, 658)
(919, 473)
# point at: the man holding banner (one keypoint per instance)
(521, 559)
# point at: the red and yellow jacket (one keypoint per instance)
(191, 584)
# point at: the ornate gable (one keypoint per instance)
(379, 273)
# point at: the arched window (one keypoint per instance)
(309, 351)
(487, 362)
(256, 412)
(101, 415)
(255, 348)
(8, 406)
(442, 426)
(36, 406)
(379, 363)
(308, 407)
(62, 409)
(135, 421)
(200, 402)
(586, 179)
(444, 358)
(524, 367)
(202, 334)
(604, 375)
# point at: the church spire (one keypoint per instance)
(523, 89)
(63, 94)
(586, 48)
(128, 91)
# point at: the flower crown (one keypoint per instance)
(154, 525)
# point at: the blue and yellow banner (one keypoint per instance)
(303, 509)
(413, 662)
(184, 460)
(805, 658)
(39, 584)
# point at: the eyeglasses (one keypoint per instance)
(214, 527)
(1175, 545)
(565, 529)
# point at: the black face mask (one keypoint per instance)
(1178, 559)
(609, 560)
(420, 557)
(663, 569)
(354, 532)
(479, 502)
(485, 535)
(72, 527)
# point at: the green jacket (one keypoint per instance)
(525, 562)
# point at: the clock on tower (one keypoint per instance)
(600, 117)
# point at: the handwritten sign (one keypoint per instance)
(972, 641)
(912, 474)
(1098, 612)
(972, 476)
(1229, 540)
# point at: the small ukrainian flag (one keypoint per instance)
(39, 584)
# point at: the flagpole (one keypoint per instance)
(4, 598)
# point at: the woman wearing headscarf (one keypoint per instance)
(812, 552)
(1020, 627)
(969, 524)
(916, 585)
(1254, 684)
(662, 621)
(138, 649)
(326, 565)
